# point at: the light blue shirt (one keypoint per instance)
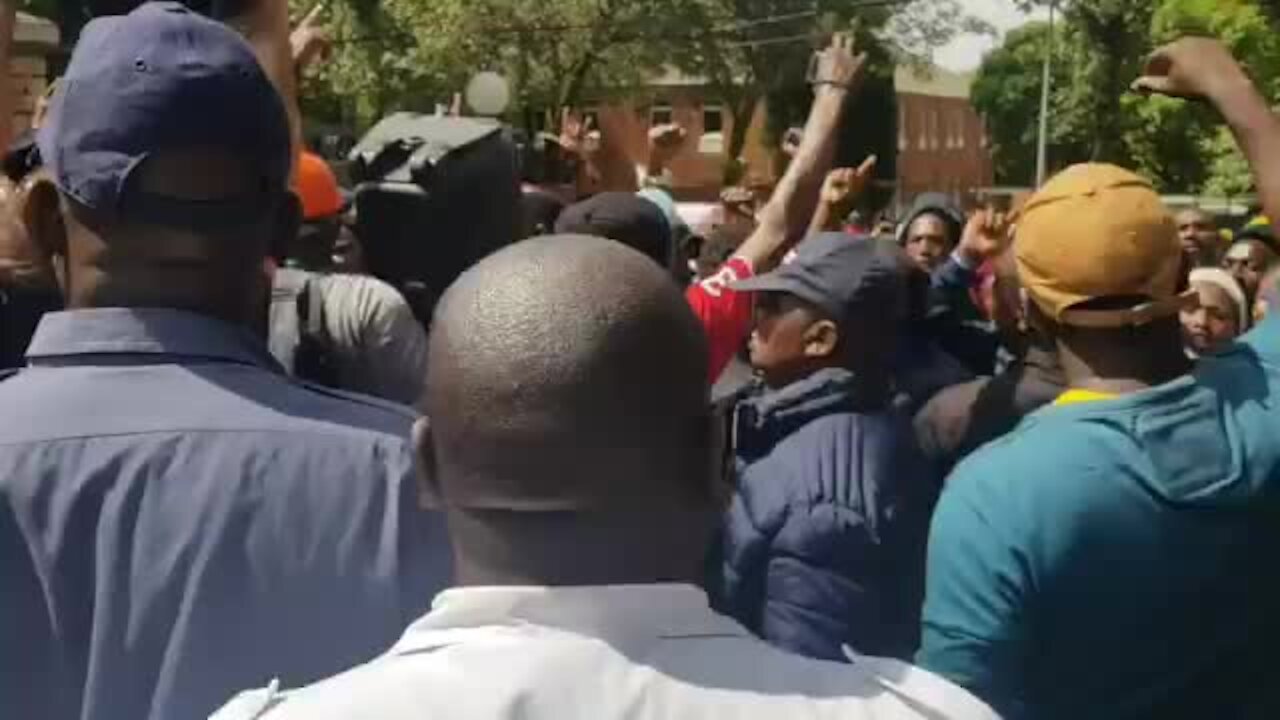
(179, 519)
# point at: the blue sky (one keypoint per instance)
(965, 53)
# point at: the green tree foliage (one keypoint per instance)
(413, 54)
(753, 50)
(1007, 94)
(1101, 46)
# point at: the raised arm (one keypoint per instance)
(265, 24)
(1203, 69)
(8, 18)
(788, 214)
(665, 142)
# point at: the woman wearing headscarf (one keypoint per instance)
(1219, 315)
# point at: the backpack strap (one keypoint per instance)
(314, 359)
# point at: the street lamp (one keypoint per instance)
(1042, 143)
(488, 94)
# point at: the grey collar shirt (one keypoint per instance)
(179, 519)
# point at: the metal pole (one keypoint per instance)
(1042, 144)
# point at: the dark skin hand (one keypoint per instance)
(840, 191)
(1203, 69)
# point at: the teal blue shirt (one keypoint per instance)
(1120, 558)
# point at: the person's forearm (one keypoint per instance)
(8, 13)
(788, 214)
(266, 28)
(825, 219)
(1257, 130)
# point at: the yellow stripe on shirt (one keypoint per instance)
(1078, 397)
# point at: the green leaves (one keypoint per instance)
(1101, 47)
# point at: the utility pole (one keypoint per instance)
(1042, 144)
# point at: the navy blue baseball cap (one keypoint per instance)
(841, 273)
(164, 78)
(625, 217)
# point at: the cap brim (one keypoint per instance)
(1128, 317)
(770, 282)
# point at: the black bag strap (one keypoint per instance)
(313, 359)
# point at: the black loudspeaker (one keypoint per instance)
(433, 196)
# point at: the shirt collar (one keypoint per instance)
(614, 613)
(64, 338)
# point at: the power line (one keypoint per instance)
(724, 30)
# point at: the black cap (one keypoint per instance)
(539, 211)
(631, 220)
(840, 273)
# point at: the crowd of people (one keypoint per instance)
(982, 464)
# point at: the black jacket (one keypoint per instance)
(964, 417)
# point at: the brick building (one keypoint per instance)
(942, 144)
(678, 98)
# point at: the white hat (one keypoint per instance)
(1223, 279)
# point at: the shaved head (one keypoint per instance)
(567, 373)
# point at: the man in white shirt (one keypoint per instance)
(571, 444)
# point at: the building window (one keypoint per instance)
(712, 140)
(923, 143)
(712, 119)
(960, 128)
(661, 114)
(591, 118)
(903, 140)
(934, 130)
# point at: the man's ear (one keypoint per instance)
(821, 339)
(40, 212)
(424, 455)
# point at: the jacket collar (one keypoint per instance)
(82, 337)
(765, 419)
(615, 613)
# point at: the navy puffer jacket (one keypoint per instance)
(823, 545)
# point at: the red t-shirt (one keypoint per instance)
(725, 314)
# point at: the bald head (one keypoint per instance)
(566, 373)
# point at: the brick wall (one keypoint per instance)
(942, 146)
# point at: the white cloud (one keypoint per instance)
(965, 52)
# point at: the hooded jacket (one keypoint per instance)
(823, 544)
(1115, 559)
(953, 318)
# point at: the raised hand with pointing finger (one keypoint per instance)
(985, 237)
(310, 40)
(841, 188)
